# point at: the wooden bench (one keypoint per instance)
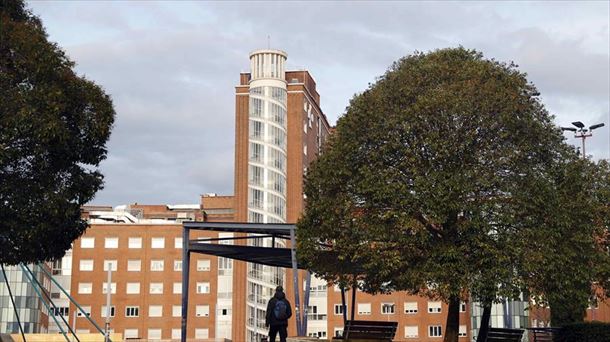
(368, 331)
(504, 335)
(544, 334)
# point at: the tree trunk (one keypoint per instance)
(484, 327)
(453, 320)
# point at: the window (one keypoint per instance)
(277, 137)
(225, 266)
(178, 242)
(86, 265)
(157, 242)
(176, 334)
(132, 311)
(203, 287)
(277, 114)
(257, 91)
(339, 308)
(105, 288)
(435, 331)
(201, 333)
(155, 311)
(134, 265)
(255, 217)
(462, 331)
(256, 107)
(387, 308)
(277, 159)
(177, 265)
(111, 242)
(276, 205)
(61, 311)
(256, 199)
(255, 175)
(411, 331)
(132, 288)
(410, 308)
(85, 288)
(86, 309)
(113, 265)
(135, 242)
(156, 288)
(156, 265)
(103, 314)
(364, 308)
(154, 334)
(256, 152)
(176, 311)
(202, 310)
(177, 288)
(434, 307)
(257, 130)
(462, 307)
(131, 333)
(203, 265)
(339, 332)
(227, 236)
(87, 242)
(277, 181)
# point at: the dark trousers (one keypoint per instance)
(274, 329)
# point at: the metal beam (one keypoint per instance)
(186, 253)
(87, 316)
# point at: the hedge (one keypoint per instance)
(585, 332)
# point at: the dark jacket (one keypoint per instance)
(270, 317)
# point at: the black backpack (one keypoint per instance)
(280, 311)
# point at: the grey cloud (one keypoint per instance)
(171, 70)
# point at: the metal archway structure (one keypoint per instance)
(270, 256)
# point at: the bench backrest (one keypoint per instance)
(504, 335)
(372, 330)
(544, 334)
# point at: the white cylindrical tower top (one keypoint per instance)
(268, 64)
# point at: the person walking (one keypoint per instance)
(278, 313)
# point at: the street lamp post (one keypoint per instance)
(582, 132)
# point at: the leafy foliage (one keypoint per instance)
(565, 240)
(417, 184)
(53, 129)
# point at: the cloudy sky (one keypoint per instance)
(171, 68)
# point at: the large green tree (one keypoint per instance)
(416, 185)
(54, 126)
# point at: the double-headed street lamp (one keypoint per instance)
(581, 132)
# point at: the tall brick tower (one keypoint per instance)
(279, 130)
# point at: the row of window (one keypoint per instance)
(275, 157)
(153, 311)
(135, 265)
(155, 334)
(275, 180)
(276, 114)
(390, 308)
(411, 331)
(134, 288)
(133, 242)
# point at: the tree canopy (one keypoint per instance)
(565, 242)
(417, 185)
(54, 126)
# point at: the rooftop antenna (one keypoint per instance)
(268, 42)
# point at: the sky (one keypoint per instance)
(171, 69)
